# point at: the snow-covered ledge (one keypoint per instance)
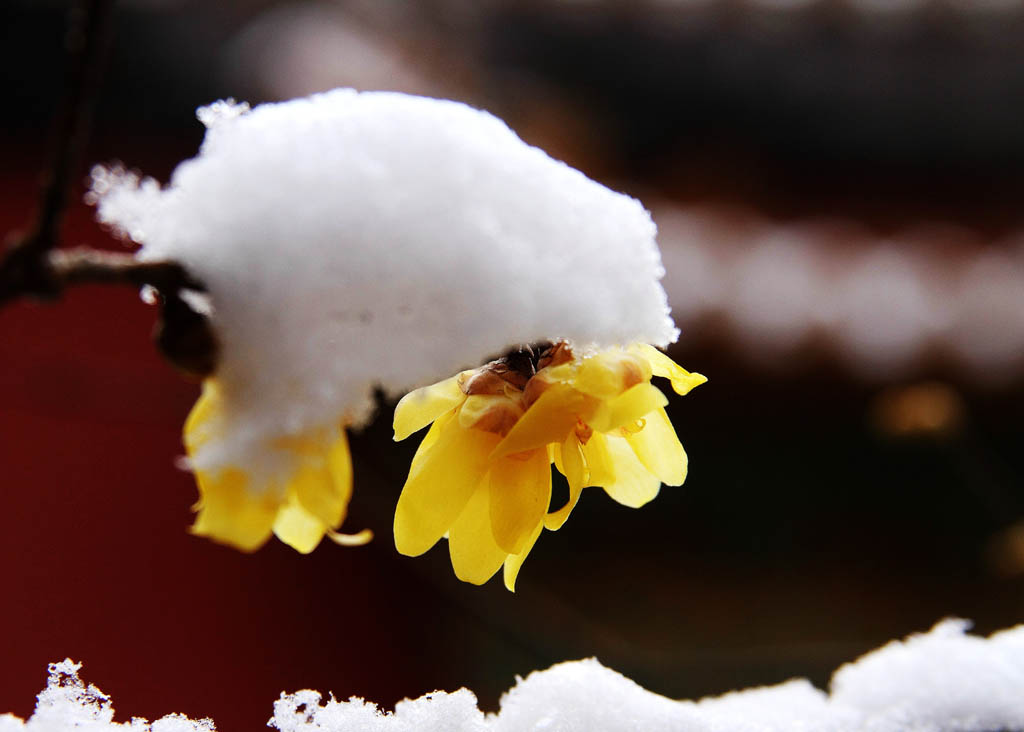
(941, 681)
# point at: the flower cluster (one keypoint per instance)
(482, 474)
(305, 500)
(312, 225)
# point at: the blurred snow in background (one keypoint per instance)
(884, 305)
(940, 681)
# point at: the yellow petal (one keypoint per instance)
(515, 561)
(633, 485)
(611, 372)
(573, 466)
(682, 380)
(322, 484)
(197, 429)
(555, 456)
(440, 485)
(475, 556)
(547, 420)
(520, 494)
(309, 445)
(419, 408)
(659, 449)
(628, 407)
(490, 412)
(598, 460)
(298, 528)
(230, 514)
(357, 539)
(429, 439)
(339, 462)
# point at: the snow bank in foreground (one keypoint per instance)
(68, 704)
(350, 240)
(941, 681)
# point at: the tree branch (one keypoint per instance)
(79, 266)
(23, 272)
(26, 269)
(88, 41)
(34, 266)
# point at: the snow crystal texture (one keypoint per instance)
(351, 240)
(68, 704)
(941, 681)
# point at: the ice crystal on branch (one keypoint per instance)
(355, 240)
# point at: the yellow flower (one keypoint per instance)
(482, 474)
(305, 499)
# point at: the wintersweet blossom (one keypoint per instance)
(482, 474)
(305, 498)
(339, 239)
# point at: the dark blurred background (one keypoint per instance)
(838, 187)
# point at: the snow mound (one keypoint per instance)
(351, 240)
(68, 704)
(940, 681)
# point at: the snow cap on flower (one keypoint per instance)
(353, 240)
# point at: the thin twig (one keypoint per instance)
(62, 268)
(80, 266)
(26, 268)
(34, 265)
(88, 41)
